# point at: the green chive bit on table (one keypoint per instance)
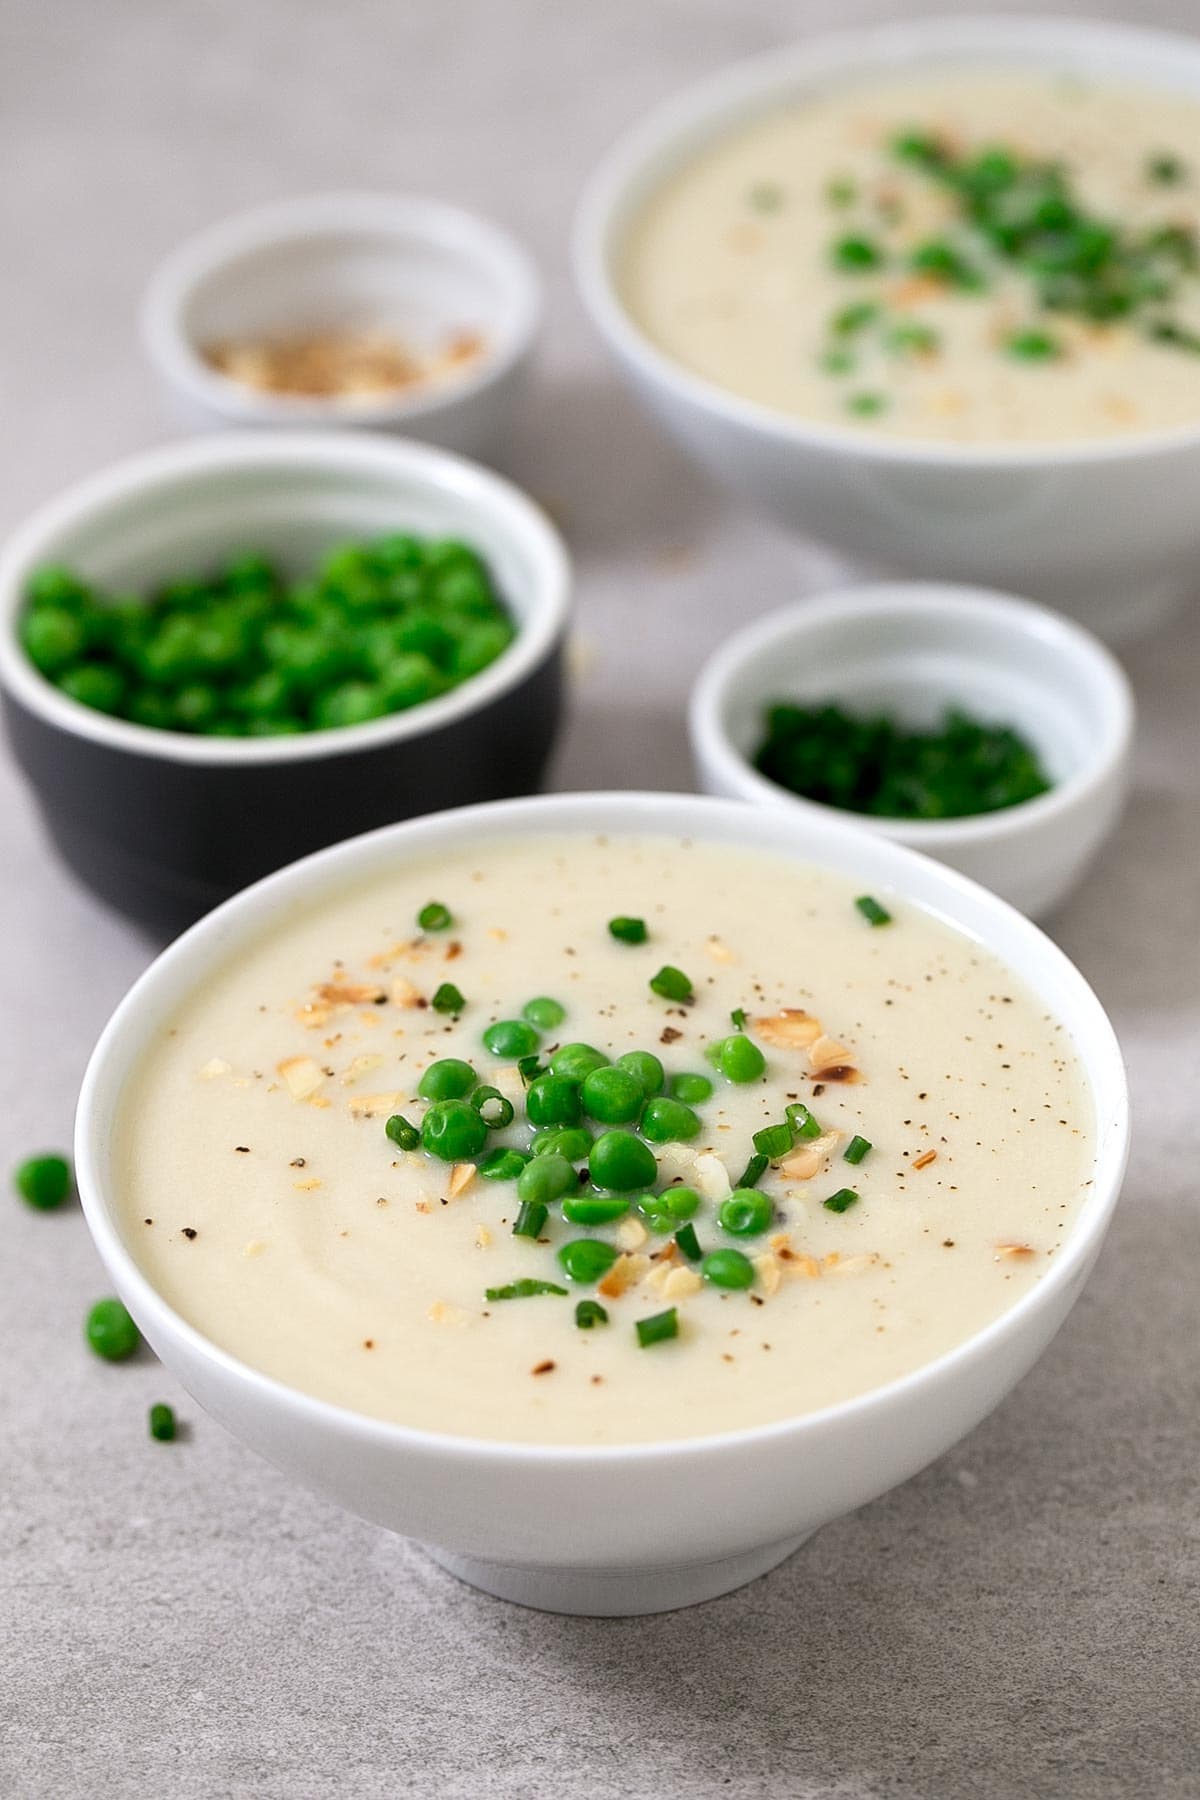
(43, 1182)
(628, 930)
(672, 984)
(525, 1289)
(162, 1423)
(856, 1149)
(589, 1313)
(842, 1201)
(448, 999)
(110, 1331)
(871, 910)
(435, 917)
(658, 1328)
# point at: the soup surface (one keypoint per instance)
(973, 257)
(264, 1199)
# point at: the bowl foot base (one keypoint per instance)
(614, 1593)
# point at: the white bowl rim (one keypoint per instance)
(668, 814)
(172, 467)
(1021, 618)
(767, 78)
(172, 283)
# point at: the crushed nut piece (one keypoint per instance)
(303, 1075)
(374, 1106)
(631, 1234)
(626, 1272)
(360, 1065)
(214, 1067)
(461, 1177)
(768, 1272)
(791, 1028)
(442, 1313)
(680, 1283)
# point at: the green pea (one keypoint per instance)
(94, 685)
(403, 1134)
(423, 635)
(593, 1209)
(503, 1164)
(746, 1213)
(110, 1331)
(409, 680)
(353, 703)
(543, 1012)
(738, 1058)
(663, 1212)
(553, 1100)
(196, 705)
(511, 1038)
(266, 694)
(668, 1121)
(587, 1259)
(727, 1269)
(576, 1061)
(399, 550)
(571, 1141)
(52, 638)
(479, 647)
(448, 1079)
(152, 709)
(856, 255)
(545, 1178)
(43, 1182)
(621, 1162)
(612, 1095)
(692, 1089)
(54, 585)
(251, 574)
(453, 1131)
(646, 1069)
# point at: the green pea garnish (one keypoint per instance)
(448, 999)
(43, 1182)
(435, 917)
(110, 1331)
(746, 1213)
(587, 1259)
(727, 1269)
(672, 984)
(453, 1131)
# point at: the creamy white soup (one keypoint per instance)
(928, 1140)
(973, 257)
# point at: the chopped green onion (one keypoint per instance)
(871, 910)
(1165, 169)
(688, 1242)
(435, 917)
(494, 1108)
(1033, 346)
(658, 1328)
(503, 1164)
(773, 1141)
(838, 361)
(911, 338)
(854, 318)
(406, 1136)
(738, 1018)
(531, 1217)
(529, 1068)
(589, 1313)
(448, 999)
(841, 191)
(628, 930)
(842, 1201)
(801, 1121)
(525, 1289)
(162, 1423)
(856, 1149)
(754, 1170)
(866, 405)
(672, 984)
(856, 255)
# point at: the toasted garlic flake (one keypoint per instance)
(718, 950)
(798, 1263)
(371, 1106)
(826, 1053)
(361, 1065)
(254, 1248)
(483, 1237)
(302, 1075)
(712, 1177)
(215, 1066)
(461, 1177)
(791, 1028)
(802, 1164)
(1015, 1252)
(626, 1272)
(631, 1234)
(403, 992)
(850, 1265)
(768, 1272)
(680, 1283)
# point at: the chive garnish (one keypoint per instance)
(525, 1289)
(628, 930)
(754, 1171)
(801, 1121)
(688, 1242)
(738, 1018)
(589, 1313)
(867, 405)
(406, 1136)
(671, 984)
(856, 255)
(856, 1149)
(658, 1327)
(162, 1423)
(842, 1201)
(529, 1068)
(448, 999)
(773, 1141)
(531, 1216)
(871, 910)
(1033, 346)
(435, 917)
(504, 1164)
(494, 1108)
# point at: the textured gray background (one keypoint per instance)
(179, 1621)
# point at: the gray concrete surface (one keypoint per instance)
(179, 1622)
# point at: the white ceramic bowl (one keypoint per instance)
(1107, 529)
(413, 266)
(164, 824)
(913, 649)
(615, 1529)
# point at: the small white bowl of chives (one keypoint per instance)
(915, 652)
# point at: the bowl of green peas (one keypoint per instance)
(218, 656)
(977, 727)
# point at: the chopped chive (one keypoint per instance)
(773, 1141)
(766, 196)
(867, 405)
(842, 1201)
(838, 361)
(494, 1108)
(658, 1328)
(688, 1242)
(162, 1423)
(435, 917)
(671, 983)
(738, 1018)
(856, 255)
(503, 1164)
(801, 1121)
(531, 1216)
(406, 1136)
(529, 1068)
(754, 1170)
(871, 910)
(628, 930)
(856, 1149)
(854, 318)
(1033, 346)
(525, 1289)
(448, 999)
(589, 1313)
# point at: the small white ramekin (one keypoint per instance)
(642, 1527)
(396, 262)
(912, 650)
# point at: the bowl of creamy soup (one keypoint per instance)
(931, 293)
(604, 1190)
